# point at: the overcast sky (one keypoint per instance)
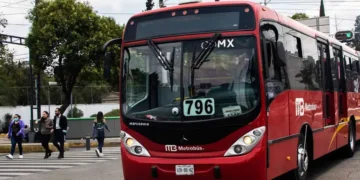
(15, 11)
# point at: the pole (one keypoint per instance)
(336, 24)
(71, 102)
(49, 98)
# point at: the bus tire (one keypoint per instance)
(350, 147)
(303, 159)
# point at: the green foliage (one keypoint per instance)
(357, 33)
(5, 125)
(149, 5)
(75, 113)
(71, 33)
(114, 112)
(94, 115)
(297, 16)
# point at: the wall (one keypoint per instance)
(24, 111)
(81, 127)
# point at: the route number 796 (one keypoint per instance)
(199, 107)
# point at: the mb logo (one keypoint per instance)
(172, 148)
(299, 107)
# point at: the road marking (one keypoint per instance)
(42, 167)
(23, 170)
(35, 163)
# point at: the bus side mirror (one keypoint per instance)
(108, 60)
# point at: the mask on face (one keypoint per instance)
(16, 119)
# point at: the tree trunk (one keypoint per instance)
(66, 103)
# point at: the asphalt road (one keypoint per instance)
(330, 167)
(77, 164)
(334, 167)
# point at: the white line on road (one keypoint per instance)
(13, 174)
(24, 170)
(44, 167)
(42, 163)
(3, 177)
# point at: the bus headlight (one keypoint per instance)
(133, 146)
(246, 143)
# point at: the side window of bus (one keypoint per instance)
(354, 65)
(275, 66)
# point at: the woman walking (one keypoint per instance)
(99, 132)
(16, 134)
(46, 129)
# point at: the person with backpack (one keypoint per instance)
(16, 134)
(99, 127)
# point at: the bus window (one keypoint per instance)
(354, 65)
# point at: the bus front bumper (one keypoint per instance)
(250, 166)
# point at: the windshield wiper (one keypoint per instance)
(164, 61)
(204, 54)
(160, 56)
(197, 62)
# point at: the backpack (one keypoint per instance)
(100, 129)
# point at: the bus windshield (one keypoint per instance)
(224, 85)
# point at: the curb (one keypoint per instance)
(5, 148)
(93, 144)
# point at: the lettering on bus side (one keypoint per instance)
(299, 107)
(224, 43)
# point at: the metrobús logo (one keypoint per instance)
(175, 148)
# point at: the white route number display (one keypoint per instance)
(182, 170)
(199, 107)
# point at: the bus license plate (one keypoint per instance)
(181, 170)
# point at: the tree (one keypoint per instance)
(322, 9)
(149, 5)
(357, 33)
(68, 36)
(297, 16)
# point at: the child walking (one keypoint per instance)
(16, 134)
(99, 132)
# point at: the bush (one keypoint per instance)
(114, 112)
(5, 128)
(77, 113)
(94, 115)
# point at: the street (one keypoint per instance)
(333, 167)
(77, 164)
(81, 164)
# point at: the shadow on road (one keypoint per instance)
(323, 165)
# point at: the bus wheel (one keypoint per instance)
(350, 147)
(302, 159)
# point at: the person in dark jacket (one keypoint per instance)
(46, 129)
(60, 130)
(99, 127)
(16, 134)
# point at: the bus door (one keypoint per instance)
(340, 89)
(328, 88)
(341, 83)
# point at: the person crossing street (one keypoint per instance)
(60, 129)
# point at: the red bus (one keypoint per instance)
(232, 90)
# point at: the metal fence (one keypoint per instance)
(20, 96)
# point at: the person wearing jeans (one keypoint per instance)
(99, 127)
(16, 134)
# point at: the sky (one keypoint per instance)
(342, 13)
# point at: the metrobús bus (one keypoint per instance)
(232, 90)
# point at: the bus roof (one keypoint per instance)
(261, 12)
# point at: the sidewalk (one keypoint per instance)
(5, 145)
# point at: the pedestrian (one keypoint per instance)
(99, 132)
(16, 134)
(26, 132)
(46, 130)
(60, 129)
